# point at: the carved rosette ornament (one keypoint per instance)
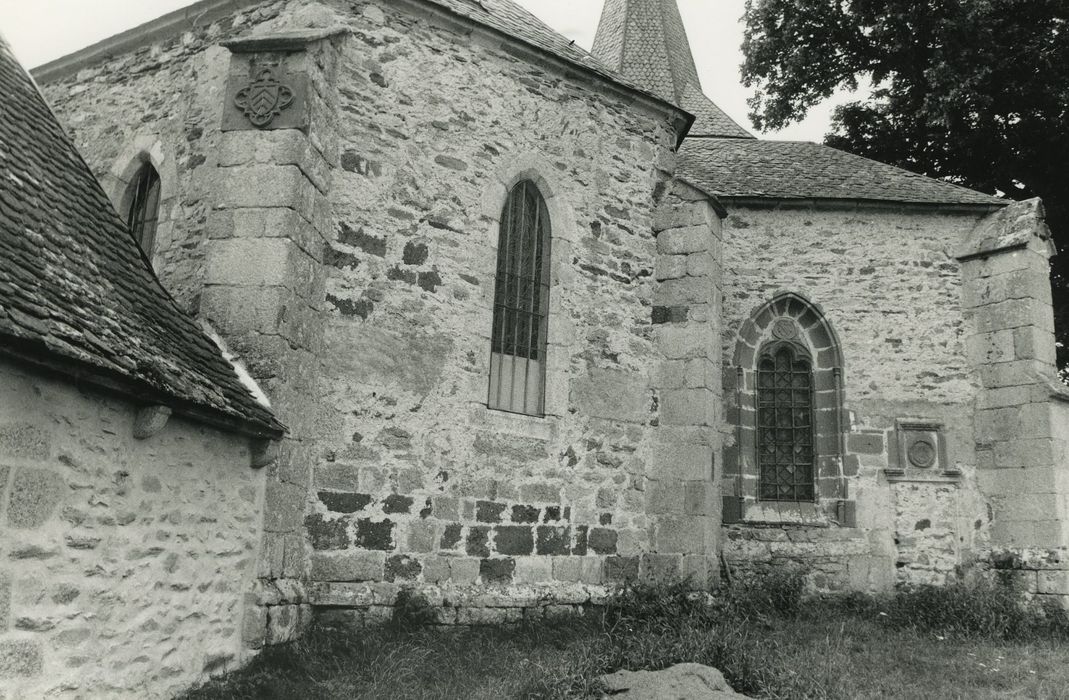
(263, 98)
(784, 329)
(922, 453)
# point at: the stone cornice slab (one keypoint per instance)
(282, 41)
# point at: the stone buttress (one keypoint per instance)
(1022, 415)
(264, 278)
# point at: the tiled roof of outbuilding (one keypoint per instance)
(757, 169)
(645, 42)
(75, 291)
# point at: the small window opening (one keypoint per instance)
(144, 212)
(521, 304)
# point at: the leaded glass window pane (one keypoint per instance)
(144, 211)
(521, 304)
(785, 426)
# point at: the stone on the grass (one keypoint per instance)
(680, 682)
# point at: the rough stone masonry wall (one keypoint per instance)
(165, 101)
(890, 286)
(123, 563)
(417, 483)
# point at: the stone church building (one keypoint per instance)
(303, 303)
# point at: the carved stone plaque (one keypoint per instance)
(921, 450)
(921, 453)
(262, 95)
(264, 98)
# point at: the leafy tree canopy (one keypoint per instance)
(971, 91)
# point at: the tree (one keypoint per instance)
(971, 91)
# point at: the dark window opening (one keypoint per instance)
(785, 425)
(521, 304)
(144, 212)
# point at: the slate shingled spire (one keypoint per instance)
(646, 43)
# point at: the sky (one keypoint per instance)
(42, 30)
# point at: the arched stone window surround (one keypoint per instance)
(118, 183)
(788, 317)
(538, 170)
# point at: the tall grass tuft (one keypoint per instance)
(982, 609)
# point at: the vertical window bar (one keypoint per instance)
(152, 212)
(517, 282)
(509, 349)
(542, 339)
(532, 353)
(497, 355)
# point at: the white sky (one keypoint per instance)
(41, 30)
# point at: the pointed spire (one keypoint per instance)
(645, 42)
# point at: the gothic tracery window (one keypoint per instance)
(144, 212)
(785, 424)
(788, 459)
(521, 304)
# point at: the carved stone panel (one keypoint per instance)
(264, 95)
(921, 451)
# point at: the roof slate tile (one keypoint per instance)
(645, 42)
(751, 168)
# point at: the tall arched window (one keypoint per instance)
(521, 304)
(785, 424)
(786, 461)
(144, 211)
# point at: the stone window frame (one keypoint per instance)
(118, 183)
(534, 167)
(816, 337)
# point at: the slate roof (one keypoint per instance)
(751, 168)
(513, 19)
(76, 293)
(645, 42)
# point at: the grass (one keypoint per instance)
(958, 642)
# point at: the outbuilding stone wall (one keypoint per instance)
(124, 563)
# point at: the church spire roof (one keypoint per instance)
(646, 43)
